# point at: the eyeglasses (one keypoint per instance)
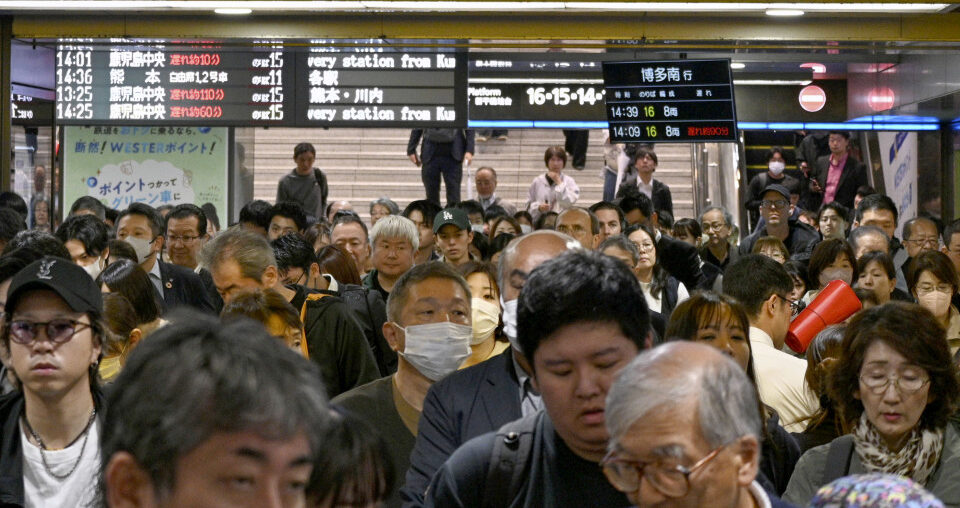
(716, 226)
(645, 246)
(673, 481)
(185, 239)
(925, 289)
(58, 330)
(780, 203)
(906, 383)
(796, 306)
(924, 242)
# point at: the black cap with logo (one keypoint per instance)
(63, 277)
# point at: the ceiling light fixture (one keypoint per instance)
(233, 11)
(784, 12)
(737, 65)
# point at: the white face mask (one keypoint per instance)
(776, 167)
(140, 246)
(486, 317)
(476, 228)
(94, 269)
(436, 349)
(510, 322)
(936, 302)
(830, 274)
(525, 228)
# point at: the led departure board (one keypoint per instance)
(212, 84)
(28, 110)
(677, 101)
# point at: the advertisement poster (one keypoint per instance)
(153, 165)
(898, 151)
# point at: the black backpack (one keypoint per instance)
(510, 461)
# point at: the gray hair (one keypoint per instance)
(250, 250)
(386, 203)
(419, 273)
(726, 399)
(623, 243)
(861, 231)
(726, 215)
(506, 258)
(395, 226)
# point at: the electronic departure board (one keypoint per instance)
(670, 101)
(527, 87)
(28, 110)
(165, 84)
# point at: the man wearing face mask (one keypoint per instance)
(429, 327)
(482, 398)
(141, 226)
(85, 236)
(776, 165)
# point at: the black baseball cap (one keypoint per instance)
(454, 216)
(779, 189)
(63, 277)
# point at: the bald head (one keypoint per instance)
(581, 224)
(524, 254)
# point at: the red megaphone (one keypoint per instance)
(835, 303)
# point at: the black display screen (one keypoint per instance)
(677, 101)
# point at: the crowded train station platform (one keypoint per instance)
(479, 254)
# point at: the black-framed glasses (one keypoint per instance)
(796, 306)
(182, 239)
(779, 203)
(58, 330)
(671, 481)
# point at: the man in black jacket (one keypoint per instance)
(443, 153)
(836, 177)
(480, 399)
(241, 260)
(142, 227)
(799, 238)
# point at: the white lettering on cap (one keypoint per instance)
(447, 216)
(45, 267)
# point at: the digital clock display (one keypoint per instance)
(670, 101)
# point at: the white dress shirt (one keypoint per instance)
(781, 382)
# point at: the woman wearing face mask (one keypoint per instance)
(719, 321)
(896, 384)
(933, 281)
(487, 340)
(832, 221)
(831, 260)
(776, 164)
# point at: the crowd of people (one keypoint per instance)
(483, 354)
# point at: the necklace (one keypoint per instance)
(43, 447)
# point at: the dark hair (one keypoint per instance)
(15, 202)
(845, 134)
(89, 203)
(665, 219)
(481, 243)
(641, 152)
(292, 250)
(637, 201)
(86, 229)
(427, 208)
(127, 278)
(827, 252)
(259, 305)
(419, 273)
(911, 331)
(952, 229)
(354, 469)
(148, 212)
(542, 220)
(211, 212)
(120, 319)
(290, 210)
(861, 231)
(470, 206)
(524, 214)
(702, 309)
(185, 211)
(580, 286)
(16, 260)
(11, 223)
(797, 270)
(554, 151)
(485, 267)
(350, 218)
(688, 227)
(606, 205)
(865, 190)
(773, 151)
(315, 231)
(499, 243)
(594, 221)
(495, 212)
(907, 230)
(303, 147)
(110, 215)
(257, 212)
(823, 355)
(866, 296)
(753, 279)
(338, 263)
(517, 231)
(839, 209)
(935, 262)
(882, 258)
(120, 249)
(877, 202)
(242, 378)
(659, 279)
(43, 243)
